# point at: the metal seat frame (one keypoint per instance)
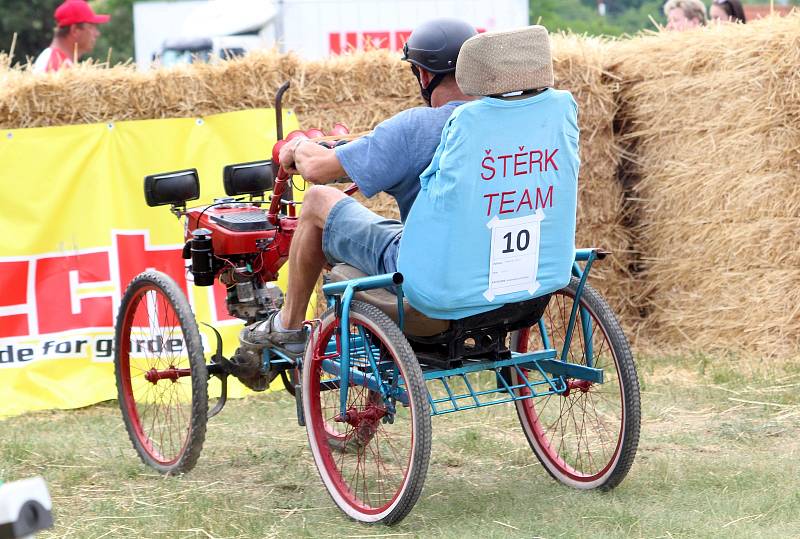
(459, 382)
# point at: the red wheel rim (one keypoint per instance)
(371, 474)
(159, 411)
(579, 433)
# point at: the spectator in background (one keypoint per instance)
(727, 11)
(684, 14)
(75, 35)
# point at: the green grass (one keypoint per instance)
(719, 456)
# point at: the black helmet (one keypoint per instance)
(434, 45)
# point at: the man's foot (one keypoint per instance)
(268, 333)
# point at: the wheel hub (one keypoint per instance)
(171, 373)
(582, 385)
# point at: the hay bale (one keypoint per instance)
(361, 90)
(602, 209)
(713, 118)
(89, 93)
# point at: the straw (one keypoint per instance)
(711, 119)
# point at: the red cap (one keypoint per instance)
(78, 11)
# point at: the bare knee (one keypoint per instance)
(317, 204)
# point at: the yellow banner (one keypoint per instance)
(76, 230)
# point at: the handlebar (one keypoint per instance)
(283, 177)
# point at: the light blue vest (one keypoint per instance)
(494, 221)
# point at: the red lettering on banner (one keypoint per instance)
(335, 43)
(351, 42)
(134, 257)
(376, 40)
(14, 284)
(380, 39)
(61, 296)
(383, 39)
(400, 38)
(57, 305)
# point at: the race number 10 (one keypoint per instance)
(523, 241)
(514, 255)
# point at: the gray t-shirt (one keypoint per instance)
(392, 157)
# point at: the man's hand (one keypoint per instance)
(287, 156)
(315, 163)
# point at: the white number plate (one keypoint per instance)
(514, 255)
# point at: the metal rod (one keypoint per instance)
(344, 344)
(576, 302)
(588, 345)
(364, 283)
(516, 359)
(279, 110)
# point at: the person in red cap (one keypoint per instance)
(75, 35)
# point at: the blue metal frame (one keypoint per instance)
(554, 369)
(348, 289)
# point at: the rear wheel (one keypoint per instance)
(161, 374)
(374, 461)
(587, 436)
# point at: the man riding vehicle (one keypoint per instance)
(333, 227)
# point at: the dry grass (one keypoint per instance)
(713, 118)
(579, 67)
(715, 443)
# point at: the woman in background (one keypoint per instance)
(684, 14)
(727, 11)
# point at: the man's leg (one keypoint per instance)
(284, 329)
(329, 228)
(306, 258)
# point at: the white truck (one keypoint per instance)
(195, 30)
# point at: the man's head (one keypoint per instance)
(77, 25)
(684, 14)
(432, 49)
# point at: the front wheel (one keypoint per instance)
(373, 462)
(587, 436)
(161, 374)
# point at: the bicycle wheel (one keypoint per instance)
(587, 436)
(161, 374)
(374, 464)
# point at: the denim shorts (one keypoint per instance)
(361, 238)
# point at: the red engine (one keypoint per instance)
(243, 244)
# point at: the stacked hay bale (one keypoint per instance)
(360, 90)
(713, 118)
(88, 94)
(602, 211)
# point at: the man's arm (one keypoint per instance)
(315, 163)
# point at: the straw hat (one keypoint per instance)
(500, 62)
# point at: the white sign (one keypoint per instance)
(514, 256)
